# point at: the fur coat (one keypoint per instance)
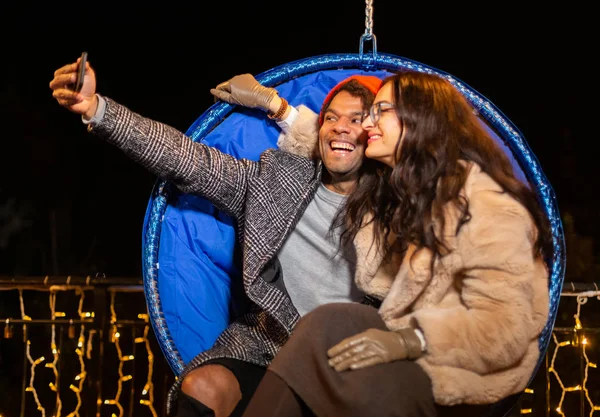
(484, 305)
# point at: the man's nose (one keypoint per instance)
(342, 125)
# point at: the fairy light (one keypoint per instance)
(22, 306)
(577, 337)
(32, 362)
(527, 410)
(31, 388)
(581, 342)
(8, 329)
(55, 407)
(588, 364)
(115, 337)
(149, 387)
(148, 390)
(90, 345)
(54, 386)
(77, 385)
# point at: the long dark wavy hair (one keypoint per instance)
(441, 131)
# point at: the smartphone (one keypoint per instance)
(80, 73)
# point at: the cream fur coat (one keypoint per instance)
(485, 304)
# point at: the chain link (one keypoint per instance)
(369, 19)
(368, 62)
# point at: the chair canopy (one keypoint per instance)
(191, 271)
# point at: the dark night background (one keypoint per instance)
(72, 205)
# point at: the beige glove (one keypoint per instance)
(245, 91)
(374, 346)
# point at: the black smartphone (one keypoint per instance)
(80, 73)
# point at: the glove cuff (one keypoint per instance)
(411, 341)
(267, 95)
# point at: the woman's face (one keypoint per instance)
(383, 127)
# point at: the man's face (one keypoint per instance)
(342, 141)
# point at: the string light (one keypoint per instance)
(577, 338)
(33, 363)
(8, 330)
(588, 364)
(82, 351)
(54, 386)
(149, 387)
(581, 342)
(77, 387)
(527, 410)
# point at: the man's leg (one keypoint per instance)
(190, 407)
(215, 387)
(221, 387)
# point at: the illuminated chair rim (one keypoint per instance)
(520, 150)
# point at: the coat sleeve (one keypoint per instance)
(503, 291)
(193, 167)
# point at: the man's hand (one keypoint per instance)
(85, 102)
(374, 346)
(245, 91)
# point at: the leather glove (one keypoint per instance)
(246, 91)
(374, 346)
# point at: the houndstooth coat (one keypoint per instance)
(266, 198)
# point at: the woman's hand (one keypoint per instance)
(374, 346)
(245, 91)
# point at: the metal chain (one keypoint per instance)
(368, 62)
(369, 19)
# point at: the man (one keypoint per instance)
(302, 195)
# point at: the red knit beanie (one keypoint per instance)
(371, 82)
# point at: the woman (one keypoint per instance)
(458, 261)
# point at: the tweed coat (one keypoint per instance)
(266, 198)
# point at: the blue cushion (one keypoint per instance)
(191, 271)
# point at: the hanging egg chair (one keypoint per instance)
(191, 276)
